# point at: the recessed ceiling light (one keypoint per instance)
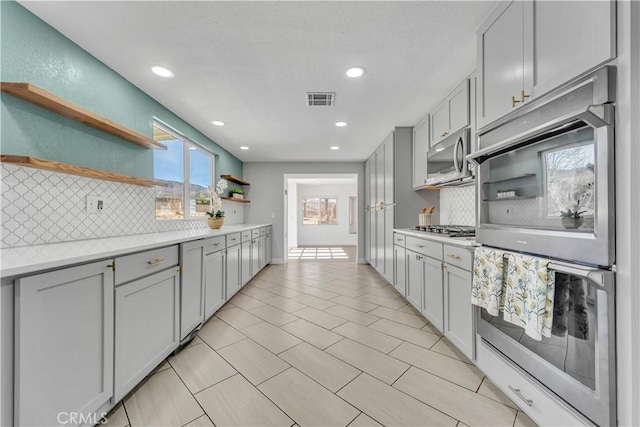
(162, 71)
(335, 147)
(244, 147)
(341, 124)
(356, 71)
(218, 123)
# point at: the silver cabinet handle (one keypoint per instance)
(517, 392)
(418, 257)
(420, 246)
(216, 244)
(155, 261)
(453, 256)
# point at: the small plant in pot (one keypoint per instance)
(237, 193)
(572, 219)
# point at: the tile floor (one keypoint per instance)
(323, 343)
(313, 253)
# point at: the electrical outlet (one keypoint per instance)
(235, 211)
(95, 203)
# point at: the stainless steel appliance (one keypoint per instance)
(535, 170)
(555, 157)
(447, 164)
(448, 230)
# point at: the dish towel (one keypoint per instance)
(487, 289)
(530, 287)
(570, 310)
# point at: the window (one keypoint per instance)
(187, 169)
(319, 210)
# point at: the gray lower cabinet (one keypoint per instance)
(433, 293)
(246, 257)
(255, 256)
(147, 326)
(415, 278)
(400, 270)
(234, 270)
(268, 244)
(191, 293)
(458, 311)
(215, 265)
(262, 247)
(63, 343)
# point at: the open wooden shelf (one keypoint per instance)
(49, 165)
(235, 179)
(42, 98)
(232, 199)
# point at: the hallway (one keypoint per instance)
(317, 343)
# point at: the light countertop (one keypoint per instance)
(29, 259)
(467, 242)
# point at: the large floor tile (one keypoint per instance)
(445, 347)
(203, 421)
(405, 333)
(522, 420)
(218, 334)
(320, 318)
(200, 367)
(471, 408)
(383, 301)
(312, 333)
(245, 301)
(364, 420)
(273, 315)
(253, 361)
(284, 304)
(320, 366)
(270, 337)
(320, 293)
(284, 291)
(354, 303)
(369, 337)
(381, 366)
(356, 316)
(117, 417)
(390, 406)
(443, 366)
(238, 318)
(491, 391)
(257, 293)
(399, 316)
(235, 402)
(311, 301)
(162, 401)
(306, 401)
(346, 291)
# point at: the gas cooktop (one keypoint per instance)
(448, 230)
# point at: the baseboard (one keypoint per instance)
(277, 261)
(362, 261)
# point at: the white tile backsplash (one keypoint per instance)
(458, 206)
(38, 207)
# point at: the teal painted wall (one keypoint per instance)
(32, 51)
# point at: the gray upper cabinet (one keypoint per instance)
(527, 48)
(63, 343)
(420, 147)
(191, 295)
(450, 115)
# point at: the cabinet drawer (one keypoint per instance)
(263, 231)
(246, 236)
(214, 244)
(255, 233)
(144, 263)
(543, 408)
(460, 257)
(233, 239)
(399, 239)
(425, 247)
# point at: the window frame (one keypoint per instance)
(319, 197)
(187, 146)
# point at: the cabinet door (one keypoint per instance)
(255, 256)
(459, 107)
(389, 153)
(263, 251)
(147, 327)
(432, 294)
(269, 248)
(379, 265)
(501, 62)
(458, 311)
(192, 287)
(63, 343)
(367, 218)
(415, 279)
(373, 237)
(380, 162)
(388, 243)
(439, 122)
(247, 250)
(399, 270)
(214, 282)
(234, 270)
(564, 39)
(420, 147)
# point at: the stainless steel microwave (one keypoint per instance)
(447, 164)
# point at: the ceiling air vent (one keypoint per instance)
(320, 99)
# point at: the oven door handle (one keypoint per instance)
(457, 164)
(602, 278)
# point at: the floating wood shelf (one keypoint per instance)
(526, 175)
(42, 98)
(233, 199)
(49, 165)
(503, 199)
(235, 179)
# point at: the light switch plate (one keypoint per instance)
(95, 203)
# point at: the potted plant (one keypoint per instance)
(237, 193)
(572, 219)
(215, 214)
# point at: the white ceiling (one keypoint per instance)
(251, 63)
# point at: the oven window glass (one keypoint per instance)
(546, 185)
(572, 345)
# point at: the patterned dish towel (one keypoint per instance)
(488, 280)
(529, 295)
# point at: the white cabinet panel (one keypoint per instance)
(234, 270)
(433, 293)
(255, 256)
(458, 311)
(269, 247)
(388, 177)
(459, 107)
(246, 260)
(439, 122)
(415, 279)
(400, 270)
(214, 282)
(63, 343)
(191, 294)
(147, 327)
(420, 147)
(388, 243)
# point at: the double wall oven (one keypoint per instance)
(546, 187)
